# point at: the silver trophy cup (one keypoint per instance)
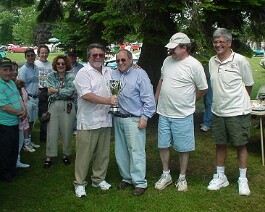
(115, 89)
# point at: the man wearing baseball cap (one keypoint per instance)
(182, 83)
(11, 110)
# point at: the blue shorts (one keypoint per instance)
(32, 109)
(178, 132)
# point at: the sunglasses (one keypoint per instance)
(123, 60)
(95, 56)
(30, 55)
(58, 63)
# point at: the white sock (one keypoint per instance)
(166, 172)
(243, 173)
(220, 171)
(182, 177)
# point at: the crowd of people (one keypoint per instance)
(78, 99)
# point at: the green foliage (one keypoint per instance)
(7, 20)
(23, 30)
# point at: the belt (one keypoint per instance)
(33, 96)
(124, 115)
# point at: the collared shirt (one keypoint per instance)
(136, 96)
(229, 80)
(76, 67)
(91, 115)
(30, 75)
(9, 95)
(65, 85)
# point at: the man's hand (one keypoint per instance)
(142, 124)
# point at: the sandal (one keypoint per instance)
(66, 161)
(47, 164)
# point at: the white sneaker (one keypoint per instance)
(80, 191)
(22, 165)
(205, 128)
(217, 182)
(163, 182)
(243, 188)
(28, 148)
(103, 185)
(181, 185)
(35, 145)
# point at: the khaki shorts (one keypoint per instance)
(234, 130)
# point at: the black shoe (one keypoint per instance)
(7, 177)
(66, 161)
(138, 191)
(47, 164)
(122, 185)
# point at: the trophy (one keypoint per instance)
(115, 89)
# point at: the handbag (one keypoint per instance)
(45, 117)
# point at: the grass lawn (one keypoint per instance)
(38, 189)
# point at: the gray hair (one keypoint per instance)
(94, 45)
(222, 32)
(129, 54)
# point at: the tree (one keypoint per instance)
(23, 30)
(154, 21)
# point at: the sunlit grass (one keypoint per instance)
(40, 189)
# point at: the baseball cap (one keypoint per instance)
(176, 39)
(4, 61)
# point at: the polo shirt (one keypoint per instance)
(9, 95)
(229, 80)
(30, 75)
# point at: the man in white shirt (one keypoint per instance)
(93, 120)
(45, 67)
(231, 79)
(182, 83)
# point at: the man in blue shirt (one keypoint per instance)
(137, 105)
(29, 73)
(11, 110)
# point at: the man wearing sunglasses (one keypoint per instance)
(137, 105)
(182, 83)
(29, 73)
(93, 120)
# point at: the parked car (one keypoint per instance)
(258, 52)
(112, 62)
(16, 48)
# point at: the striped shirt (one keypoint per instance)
(9, 95)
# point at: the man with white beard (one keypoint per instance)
(93, 120)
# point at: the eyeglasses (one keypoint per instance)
(219, 42)
(95, 56)
(30, 55)
(123, 60)
(58, 63)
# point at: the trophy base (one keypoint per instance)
(114, 110)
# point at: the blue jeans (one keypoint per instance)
(208, 99)
(130, 150)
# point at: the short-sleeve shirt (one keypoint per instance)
(181, 79)
(9, 95)
(44, 69)
(30, 75)
(229, 80)
(91, 115)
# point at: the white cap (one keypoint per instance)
(176, 39)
